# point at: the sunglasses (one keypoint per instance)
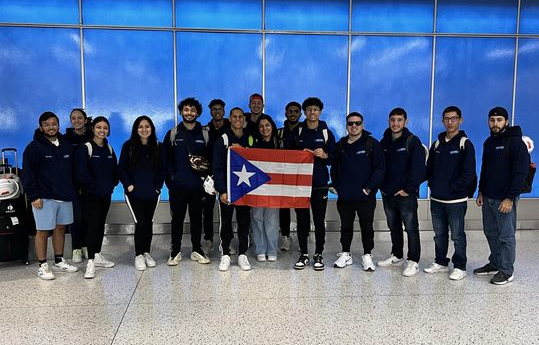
(351, 123)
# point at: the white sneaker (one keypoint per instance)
(286, 243)
(261, 257)
(100, 261)
(175, 261)
(457, 274)
(90, 270)
(77, 256)
(65, 266)
(148, 260)
(140, 263)
(391, 261)
(224, 265)
(243, 262)
(84, 251)
(368, 264)
(345, 259)
(207, 247)
(411, 269)
(272, 258)
(201, 259)
(44, 272)
(435, 268)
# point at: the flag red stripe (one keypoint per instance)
(290, 180)
(273, 201)
(269, 155)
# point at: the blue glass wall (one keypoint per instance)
(287, 50)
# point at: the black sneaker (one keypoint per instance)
(318, 262)
(501, 278)
(302, 262)
(487, 270)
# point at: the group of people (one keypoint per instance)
(69, 179)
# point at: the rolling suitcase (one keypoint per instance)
(14, 233)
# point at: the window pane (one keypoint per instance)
(318, 15)
(128, 74)
(127, 12)
(39, 71)
(390, 72)
(529, 17)
(478, 16)
(475, 74)
(527, 101)
(219, 14)
(226, 66)
(42, 11)
(409, 16)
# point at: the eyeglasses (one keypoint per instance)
(352, 123)
(451, 119)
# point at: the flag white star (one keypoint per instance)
(244, 176)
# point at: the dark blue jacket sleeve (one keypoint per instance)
(468, 168)
(123, 167)
(417, 169)
(329, 148)
(520, 166)
(161, 169)
(82, 168)
(378, 166)
(29, 179)
(429, 170)
(219, 166)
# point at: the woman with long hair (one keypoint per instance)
(142, 172)
(97, 174)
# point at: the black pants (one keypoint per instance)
(78, 228)
(401, 210)
(179, 201)
(94, 214)
(319, 201)
(284, 221)
(243, 218)
(142, 212)
(208, 206)
(365, 213)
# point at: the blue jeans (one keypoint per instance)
(499, 229)
(402, 210)
(445, 217)
(265, 226)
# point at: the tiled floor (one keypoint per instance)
(273, 303)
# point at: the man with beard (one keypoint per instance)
(292, 113)
(256, 105)
(48, 182)
(184, 183)
(504, 168)
(405, 170)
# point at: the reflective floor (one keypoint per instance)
(272, 304)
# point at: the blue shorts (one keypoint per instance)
(53, 213)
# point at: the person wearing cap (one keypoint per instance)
(184, 183)
(256, 105)
(215, 127)
(451, 178)
(504, 167)
(357, 171)
(405, 171)
(313, 135)
(292, 113)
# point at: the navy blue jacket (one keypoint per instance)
(215, 134)
(285, 132)
(47, 169)
(96, 175)
(146, 179)
(450, 170)
(504, 165)
(77, 139)
(180, 175)
(356, 167)
(313, 139)
(405, 166)
(220, 151)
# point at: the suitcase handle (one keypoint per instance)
(9, 149)
(15, 156)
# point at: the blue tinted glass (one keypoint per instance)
(390, 72)
(529, 17)
(39, 71)
(42, 11)
(127, 12)
(478, 16)
(527, 101)
(128, 74)
(475, 74)
(392, 15)
(219, 14)
(321, 15)
(225, 66)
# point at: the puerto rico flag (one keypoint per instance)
(269, 178)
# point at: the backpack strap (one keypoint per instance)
(436, 143)
(172, 136)
(462, 143)
(206, 134)
(90, 148)
(225, 140)
(325, 135)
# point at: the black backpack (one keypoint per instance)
(528, 182)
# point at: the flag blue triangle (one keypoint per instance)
(253, 176)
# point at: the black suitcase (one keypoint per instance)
(14, 218)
